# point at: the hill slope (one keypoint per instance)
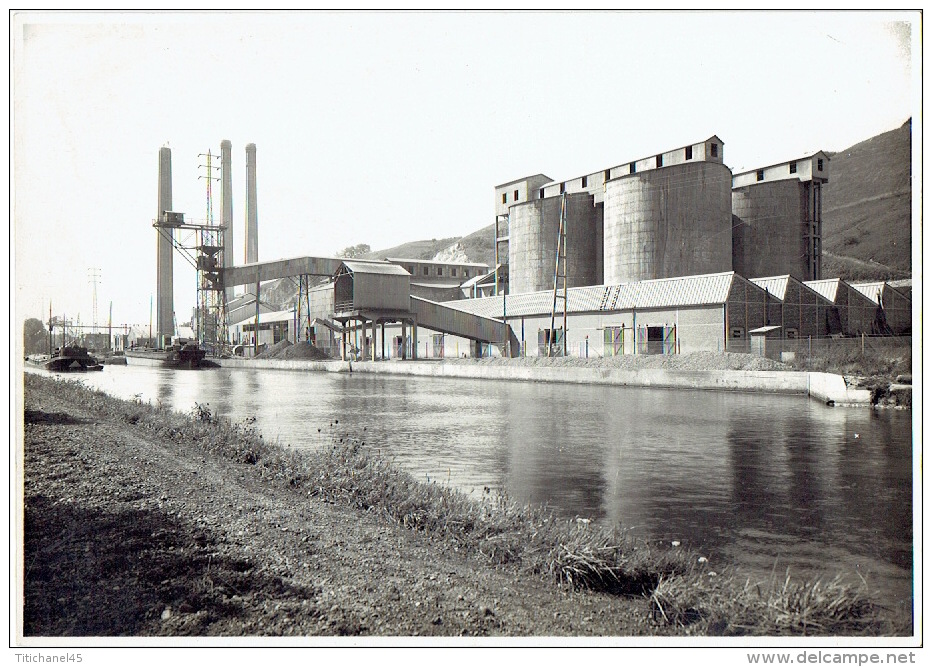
(476, 247)
(866, 211)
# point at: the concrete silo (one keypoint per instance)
(669, 215)
(533, 230)
(778, 219)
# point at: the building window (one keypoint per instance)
(426, 271)
(737, 332)
(504, 197)
(689, 152)
(439, 270)
(453, 272)
(411, 269)
(659, 160)
(585, 181)
(714, 148)
(760, 174)
(562, 188)
(792, 167)
(820, 164)
(516, 195)
(792, 334)
(632, 168)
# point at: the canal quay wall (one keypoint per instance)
(827, 388)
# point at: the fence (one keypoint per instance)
(803, 349)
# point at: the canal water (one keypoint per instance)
(763, 482)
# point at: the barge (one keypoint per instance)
(68, 359)
(180, 354)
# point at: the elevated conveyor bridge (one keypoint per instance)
(448, 320)
(365, 288)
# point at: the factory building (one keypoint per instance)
(437, 280)
(670, 215)
(777, 225)
(798, 310)
(662, 216)
(656, 253)
(895, 309)
(855, 313)
(665, 316)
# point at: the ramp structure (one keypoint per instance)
(448, 320)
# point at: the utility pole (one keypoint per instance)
(559, 271)
(93, 275)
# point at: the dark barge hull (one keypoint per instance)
(184, 358)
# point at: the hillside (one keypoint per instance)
(475, 247)
(866, 211)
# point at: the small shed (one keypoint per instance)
(759, 338)
(371, 286)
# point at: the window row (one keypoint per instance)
(426, 270)
(517, 196)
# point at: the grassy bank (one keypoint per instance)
(687, 596)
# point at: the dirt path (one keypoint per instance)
(126, 534)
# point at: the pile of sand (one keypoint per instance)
(273, 351)
(302, 351)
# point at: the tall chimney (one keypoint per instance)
(165, 297)
(252, 230)
(226, 215)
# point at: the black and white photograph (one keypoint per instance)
(465, 330)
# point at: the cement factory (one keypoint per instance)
(664, 254)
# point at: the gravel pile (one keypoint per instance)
(695, 361)
(273, 351)
(302, 351)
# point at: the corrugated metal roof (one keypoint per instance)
(905, 282)
(776, 285)
(383, 268)
(266, 317)
(474, 265)
(827, 287)
(872, 291)
(661, 293)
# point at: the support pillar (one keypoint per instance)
(414, 339)
(404, 338)
(383, 340)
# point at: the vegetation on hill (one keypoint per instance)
(866, 211)
(414, 250)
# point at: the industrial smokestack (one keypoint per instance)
(226, 215)
(164, 289)
(252, 230)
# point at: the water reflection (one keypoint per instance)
(766, 482)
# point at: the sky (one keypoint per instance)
(384, 128)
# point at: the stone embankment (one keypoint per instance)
(700, 370)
